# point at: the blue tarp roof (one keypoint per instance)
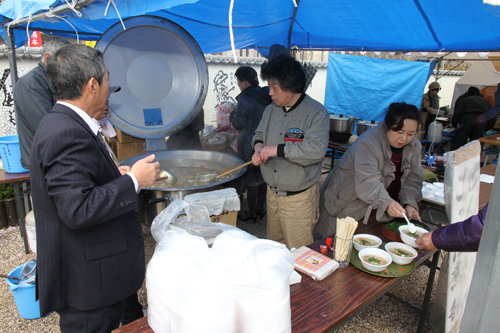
(370, 25)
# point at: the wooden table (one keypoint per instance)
(492, 140)
(320, 306)
(341, 148)
(16, 179)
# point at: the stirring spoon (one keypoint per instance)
(411, 226)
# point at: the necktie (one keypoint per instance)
(107, 148)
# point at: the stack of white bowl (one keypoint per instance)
(434, 191)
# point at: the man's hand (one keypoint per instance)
(395, 209)
(425, 242)
(430, 110)
(146, 171)
(124, 169)
(256, 160)
(412, 213)
(268, 151)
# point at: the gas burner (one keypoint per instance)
(340, 137)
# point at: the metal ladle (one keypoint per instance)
(169, 178)
(211, 178)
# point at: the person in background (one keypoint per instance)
(290, 144)
(380, 171)
(491, 113)
(464, 118)
(430, 105)
(252, 102)
(90, 247)
(188, 138)
(460, 236)
(33, 98)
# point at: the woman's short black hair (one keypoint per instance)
(397, 113)
(287, 71)
(247, 73)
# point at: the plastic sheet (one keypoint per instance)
(240, 284)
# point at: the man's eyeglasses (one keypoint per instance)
(437, 89)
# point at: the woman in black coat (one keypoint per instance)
(252, 101)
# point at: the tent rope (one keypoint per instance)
(231, 35)
(117, 12)
(49, 14)
(72, 7)
(16, 20)
(27, 27)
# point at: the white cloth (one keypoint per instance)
(105, 127)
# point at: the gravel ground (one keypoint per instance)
(383, 315)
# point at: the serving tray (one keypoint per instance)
(392, 271)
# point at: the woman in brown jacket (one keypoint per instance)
(381, 171)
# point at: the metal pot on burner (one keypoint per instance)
(153, 200)
(341, 124)
(364, 126)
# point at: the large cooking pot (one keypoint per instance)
(184, 158)
(341, 124)
(365, 125)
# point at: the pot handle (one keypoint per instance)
(358, 120)
(158, 200)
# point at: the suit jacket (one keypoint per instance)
(90, 248)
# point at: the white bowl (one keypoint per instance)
(408, 239)
(378, 252)
(439, 196)
(399, 259)
(438, 185)
(426, 191)
(360, 247)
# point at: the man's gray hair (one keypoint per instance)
(72, 67)
(53, 44)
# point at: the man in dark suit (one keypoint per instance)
(89, 239)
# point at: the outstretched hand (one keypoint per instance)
(425, 242)
(395, 209)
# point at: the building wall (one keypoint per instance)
(222, 84)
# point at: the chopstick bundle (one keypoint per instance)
(345, 231)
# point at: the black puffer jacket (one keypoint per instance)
(475, 104)
(251, 105)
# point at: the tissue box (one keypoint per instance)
(222, 205)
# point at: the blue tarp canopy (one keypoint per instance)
(370, 25)
(364, 87)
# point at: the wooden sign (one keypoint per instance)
(461, 192)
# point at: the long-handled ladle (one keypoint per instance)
(207, 179)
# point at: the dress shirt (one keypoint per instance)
(95, 129)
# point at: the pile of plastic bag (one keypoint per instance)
(212, 277)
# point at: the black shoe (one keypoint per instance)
(261, 214)
(248, 216)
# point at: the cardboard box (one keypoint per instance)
(129, 149)
(225, 217)
(123, 137)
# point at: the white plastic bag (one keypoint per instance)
(240, 284)
(190, 217)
